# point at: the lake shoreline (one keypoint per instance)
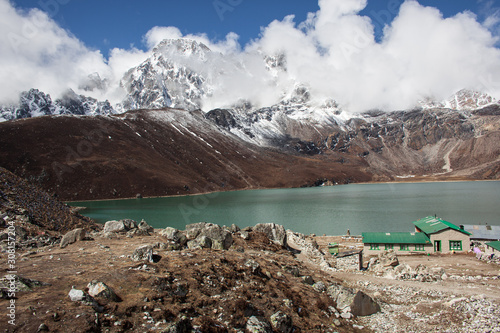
(409, 181)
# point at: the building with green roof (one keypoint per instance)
(493, 247)
(432, 234)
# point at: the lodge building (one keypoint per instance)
(432, 235)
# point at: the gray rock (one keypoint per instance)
(174, 235)
(143, 225)
(346, 315)
(344, 298)
(234, 228)
(76, 295)
(129, 224)
(274, 232)
(245, 235)
(364, 305)
(143, 252)
(385, 259)
(220, 237)
(281, 322)
(73, 236)
(201, 242)
(115, 226)
(355, 302)
(100, 289)
(258, 325)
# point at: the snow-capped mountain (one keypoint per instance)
(463, 100)
(167, 77)
(182, 73)
(35, 103)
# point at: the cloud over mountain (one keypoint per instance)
(334, 53)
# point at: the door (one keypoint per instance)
(437, 246)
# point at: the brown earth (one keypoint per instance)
(154, 153)
(218, 292)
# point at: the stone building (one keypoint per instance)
(432, 235)
(493, 248)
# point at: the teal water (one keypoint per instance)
(319, 210)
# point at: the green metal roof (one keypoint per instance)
(495, 245)
(395, 238)
(431, 225)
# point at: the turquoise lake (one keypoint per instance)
(320, 210)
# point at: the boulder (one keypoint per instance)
(143, 252)
(350, 301)
(281, 322)
(201, 242)
(274, 232)
(120, 226)
(174, 235)
(364, 305)
(344, 297)
(100, 289)
(76, 295)
(258, 325)
(114, 226)
(143, 225)
(73, 236)
(220, 237)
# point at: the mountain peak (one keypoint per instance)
(463, 100)
(183, 46)
(469, 100)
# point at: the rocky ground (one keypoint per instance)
(129, 277)
(69, 274)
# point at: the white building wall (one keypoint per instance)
(445, 236)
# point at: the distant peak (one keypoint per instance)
(462, 100)
(181, 45)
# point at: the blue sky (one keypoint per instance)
(106, 24)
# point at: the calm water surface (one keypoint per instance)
(320, 210)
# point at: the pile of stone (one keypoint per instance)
(387, 265)
(127, 226)
(309, 248)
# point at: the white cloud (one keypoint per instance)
(333, 52)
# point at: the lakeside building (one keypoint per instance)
(483, 232)
(432, 235)
(493, 248)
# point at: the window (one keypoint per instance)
(389, 246)
(419, 247)
(373, 246)
(404, 247)
(456, 245)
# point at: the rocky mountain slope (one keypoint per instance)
(37, 217)
(163, 152)
(171, 152)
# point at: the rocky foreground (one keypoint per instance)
(71, 274)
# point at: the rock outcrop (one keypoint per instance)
(209, 235)
(72, 237)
